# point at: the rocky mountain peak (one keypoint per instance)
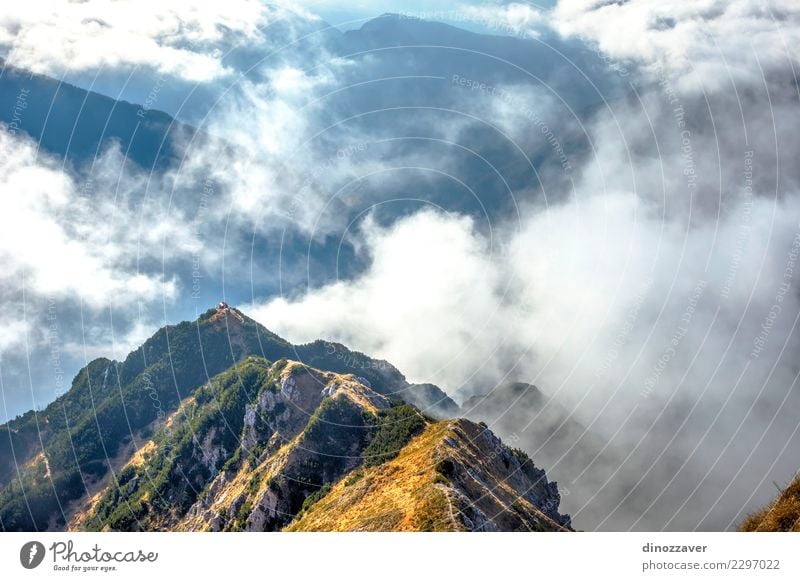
(226, 426)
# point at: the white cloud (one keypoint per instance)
(110, 344)
(584, 301)
(426, 302)
(447, 304)
(88, 263)
(12, 332)
(512, 19)
(711, 39)
(185, 40)
(64, 244)
(275, 162)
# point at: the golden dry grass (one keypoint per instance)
(782, 515)
(400, 495)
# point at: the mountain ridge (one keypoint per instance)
(77, 124)
(177, 385)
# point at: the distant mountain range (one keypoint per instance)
(401, 75)
(77, 125)
(396, 99)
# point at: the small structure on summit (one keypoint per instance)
(224, 309)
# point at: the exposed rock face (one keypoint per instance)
(309, 432)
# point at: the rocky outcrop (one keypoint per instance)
(308, 433)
